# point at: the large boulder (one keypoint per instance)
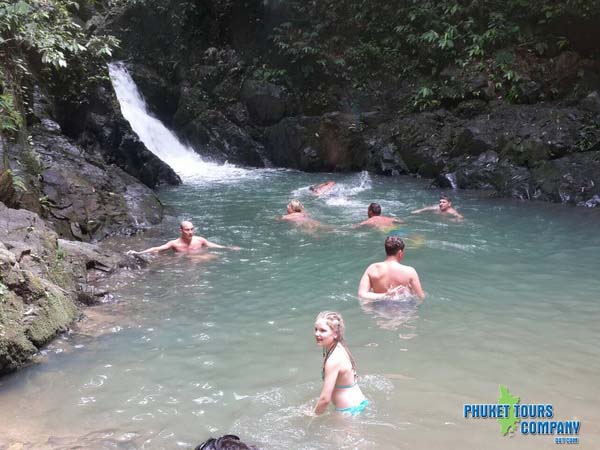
(293, 143)
(84, 198)
(573, 178)
(215, 137)
(35, 300)
(266, 102)
(332, 142)
(42, 281)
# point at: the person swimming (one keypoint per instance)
(296, 214)
(187, 242)
(444, 208)
(376, 220)
(339, 369)
(322, 188)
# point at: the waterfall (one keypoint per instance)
(160, 140)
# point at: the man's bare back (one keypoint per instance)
(376, 220)
(387, 275)
(296, 215)
(381, 222)
(386, 279)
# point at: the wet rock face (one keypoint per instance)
(574, 178)
(35, 304)
(83, 197)
(333, 142)
(105, 132)
(42, 279)
(216, 138)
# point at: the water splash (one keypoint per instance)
(341, 193)
(160, 140)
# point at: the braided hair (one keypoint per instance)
(335, 321)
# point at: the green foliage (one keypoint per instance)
(47, 33)
(270, 74)
(10, 119)
(18, 182)
(424, 99)
(357, 39)
(48, 28)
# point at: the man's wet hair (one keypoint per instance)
(226, 442)
(445, 197)
(393, 244)
(375, 208)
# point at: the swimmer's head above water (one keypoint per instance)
(295, 206)
(187, 229)
(444, 203)
(374, 210)
(393, 245)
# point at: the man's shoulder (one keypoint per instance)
(405, 268)
(376, 267)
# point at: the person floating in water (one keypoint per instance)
(444, 207)
(339, 369)
(295, 213)
(187, 242)
(376, 220)
(389, 279)
(322, 188)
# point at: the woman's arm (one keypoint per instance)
(331, 373)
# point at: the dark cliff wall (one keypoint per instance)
(324, 90)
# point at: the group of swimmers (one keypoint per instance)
(388, 279)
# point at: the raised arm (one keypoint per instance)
(415, 285)
(332, 369)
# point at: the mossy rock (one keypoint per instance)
(15, 348)
(56, 312)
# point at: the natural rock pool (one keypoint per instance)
(192, 348)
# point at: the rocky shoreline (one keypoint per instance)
(59, 197)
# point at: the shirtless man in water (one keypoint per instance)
(387, 279)
(187, 242)
(296, 215)
(376, 220)
(444, 207)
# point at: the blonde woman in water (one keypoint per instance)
(339, 370)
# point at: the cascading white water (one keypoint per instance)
(160, 140)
